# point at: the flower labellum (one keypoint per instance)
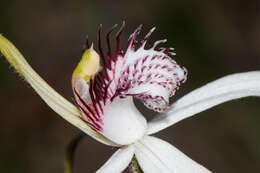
(105, 98)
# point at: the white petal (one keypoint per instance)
(155, 155)
(59, 104)
(118, 161)
(224, 89)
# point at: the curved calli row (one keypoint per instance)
(104, 87)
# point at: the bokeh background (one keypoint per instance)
(212, 39)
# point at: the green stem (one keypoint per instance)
(134, 166)
(70, 152)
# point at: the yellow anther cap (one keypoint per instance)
(88, 66)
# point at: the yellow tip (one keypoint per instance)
(88, 66)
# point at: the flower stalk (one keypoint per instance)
(70, 152)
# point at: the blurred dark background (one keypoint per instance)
(212, 39)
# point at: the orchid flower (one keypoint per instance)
(104, 100)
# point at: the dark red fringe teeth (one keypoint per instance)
(148, 70)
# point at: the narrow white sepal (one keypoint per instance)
(53, 99)
(224, 89)
(155, 155)
(118, 161)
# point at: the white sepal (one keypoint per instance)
(53, 99)
(155, 155)
(118, 161)
(224, 89)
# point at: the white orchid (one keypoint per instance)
(104, 99)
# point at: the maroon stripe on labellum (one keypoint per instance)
(101, 52)
(157, 43)
(99, 88)
(86, 113)
(143, 42)
(86, 105)
(94, 103)
(100, 82)
(167, 51)
(118, 34)
(92, 117)
(102, 78)
(132, 38)
(145, 59)
(100, 47)
(95, 126)
(97, 93)
(108, 45)
(90, 121)
(106, 93)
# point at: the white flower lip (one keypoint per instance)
(147, 74)
(123, 123)
(153, 154)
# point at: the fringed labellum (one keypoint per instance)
(105, 95)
